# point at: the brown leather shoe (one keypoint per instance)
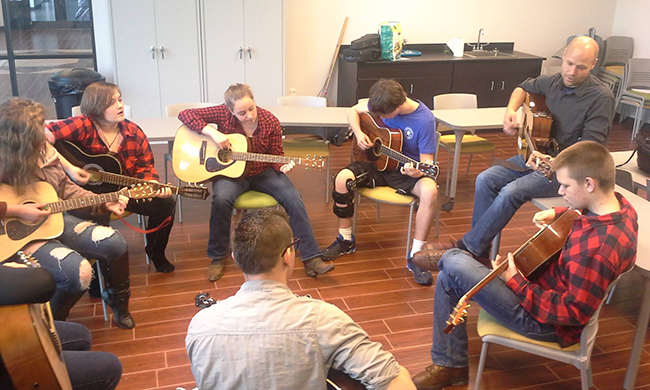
(437, 377)
(428, 258)
(316, 266)
(215, 270)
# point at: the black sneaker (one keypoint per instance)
(420, 275)
(339, 247)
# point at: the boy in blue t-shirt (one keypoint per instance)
(418, 126)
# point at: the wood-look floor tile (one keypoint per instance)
(145, 362)
(175, 375)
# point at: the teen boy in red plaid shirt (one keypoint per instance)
(555, 307)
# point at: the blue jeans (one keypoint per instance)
(88, 370)
(62, 257)
(225, 192)
(500, 192)
(459, 272)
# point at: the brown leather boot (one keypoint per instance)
(437, 377)
(428, 258)
(215, 269)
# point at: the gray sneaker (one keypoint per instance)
(339, 247)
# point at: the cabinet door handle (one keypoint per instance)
(503, 84)
(248, 50)
(241, 52)
(492, 86)
(411, 88)
(162, 52)
(153, 52)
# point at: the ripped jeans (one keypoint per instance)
(65, 257)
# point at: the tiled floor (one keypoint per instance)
(371, 285)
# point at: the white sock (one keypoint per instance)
(417, 246)
(346, 233)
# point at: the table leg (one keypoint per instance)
(639, 336)
(454, 171)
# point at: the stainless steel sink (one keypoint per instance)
(475, 54)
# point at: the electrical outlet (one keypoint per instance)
(292, 91)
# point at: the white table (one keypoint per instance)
(642, 266)
(464, 121)
(163, 129)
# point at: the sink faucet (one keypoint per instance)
(479, 45)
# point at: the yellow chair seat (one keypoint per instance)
(488, 325)
(254, 200)
(386, 194)
(470, 144)
(301, 147)
(618, 69)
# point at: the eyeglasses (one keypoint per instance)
(293, 244)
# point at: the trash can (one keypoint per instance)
(67, 87)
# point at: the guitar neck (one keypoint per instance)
(267, 158)
(126, 181)
(86, 201)
(398, 156)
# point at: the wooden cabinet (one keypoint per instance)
(492, 80)
(156, 53)
(243, 44)
(420, 80)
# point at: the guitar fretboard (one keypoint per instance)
(400, 157)
(86, 201)
(268, 158)
(127, 181)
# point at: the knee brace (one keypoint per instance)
(346, 211)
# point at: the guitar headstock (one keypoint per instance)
(458, 316)
(544, 167)
(430, 170)
(28, 259)
(203, 300)
(312, 161)
(140, 191)
(194, 191)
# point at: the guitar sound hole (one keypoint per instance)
(376, 148)
(225, 155)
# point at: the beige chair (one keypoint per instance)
(310, 148)
(174, 110)
(618, 51)
(579, 355)
(471, 143)
(636, 92)
(76, 111)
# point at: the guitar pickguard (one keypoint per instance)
(213, 165)
(17, 230)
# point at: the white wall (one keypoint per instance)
(312, 28)
(104, 39)
(631, 20)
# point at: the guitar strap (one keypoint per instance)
(164, 223)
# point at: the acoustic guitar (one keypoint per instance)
(31, 349)
(197, 158)
(530, 259)
(535, 131)
(386, 148)
(16, 233)
(106, 173)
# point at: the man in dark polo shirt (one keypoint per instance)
(582, 109)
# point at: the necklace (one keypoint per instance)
(113, 141)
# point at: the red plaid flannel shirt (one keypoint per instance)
(267, 138)
(598, 249)
(134, 152)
